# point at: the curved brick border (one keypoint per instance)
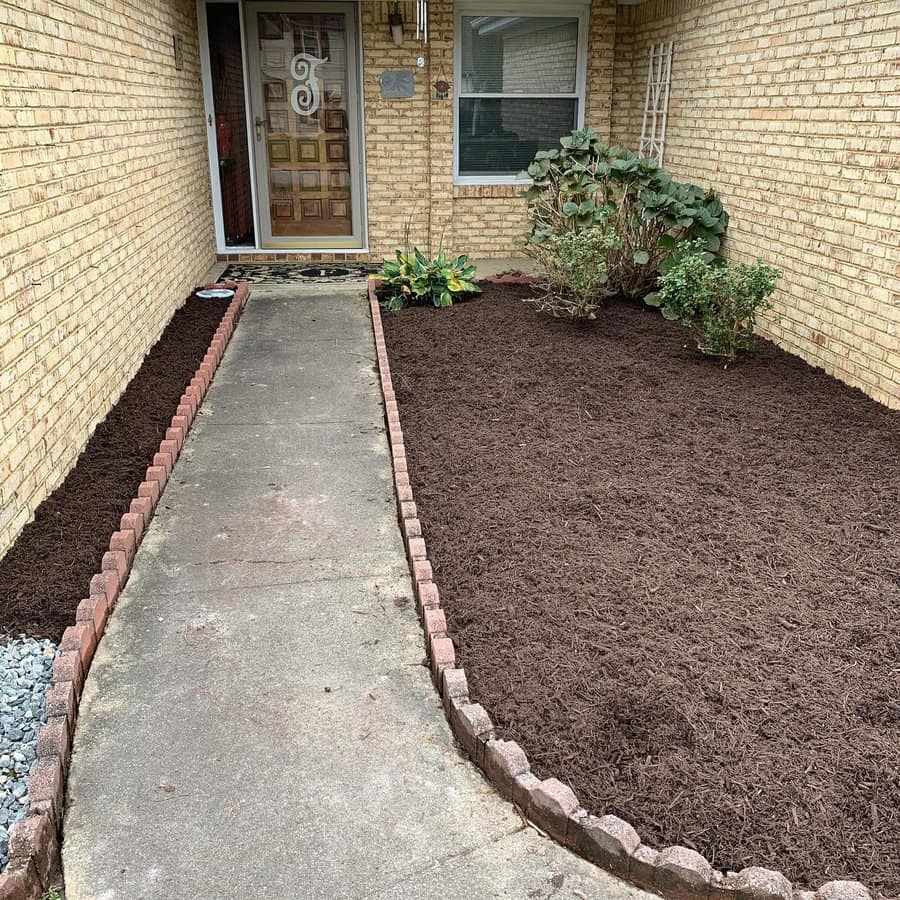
(34, 857)
(677, 873)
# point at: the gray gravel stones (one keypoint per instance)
(25, 671)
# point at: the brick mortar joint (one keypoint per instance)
(34, 840)
(674, 872)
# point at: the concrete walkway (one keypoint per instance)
(257, 721)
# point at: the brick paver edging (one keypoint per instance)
(34, 847)
(677, 873)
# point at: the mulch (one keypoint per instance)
(675, 584)
(49, 567)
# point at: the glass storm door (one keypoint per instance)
(304, 82)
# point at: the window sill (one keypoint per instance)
(489, 189)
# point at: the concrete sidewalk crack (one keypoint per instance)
(373, 575)
(294, 560)
(293, 423)
(442, 861)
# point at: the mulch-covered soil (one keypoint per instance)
(49, 568)
(677, 586)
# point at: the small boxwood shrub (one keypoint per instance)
(717, 301)
(575, 279)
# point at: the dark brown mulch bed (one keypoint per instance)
(677, 586)
(48, 569)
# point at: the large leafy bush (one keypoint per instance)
(718, 302)
(586, 183)
(412, 279)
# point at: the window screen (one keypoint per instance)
(518, 90)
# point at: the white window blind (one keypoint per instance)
(519, 86)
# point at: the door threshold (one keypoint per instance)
(312, 251)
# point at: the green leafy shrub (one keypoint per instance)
(717, 301)
(574, 271)
(415, 280)
(586, 183)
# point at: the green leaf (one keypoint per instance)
(666, 265)
(654, 298)
(624, 165)
(641, 257)
(667, 242)
(569, 208)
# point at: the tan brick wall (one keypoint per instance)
(601, 63)
(790, 110)
(105, 219)
(409, 143)
(398, 168)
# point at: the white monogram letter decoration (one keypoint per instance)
(306, 95)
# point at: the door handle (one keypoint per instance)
(259, 126)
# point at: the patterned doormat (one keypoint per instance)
(296, 273)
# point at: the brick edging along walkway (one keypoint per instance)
(34, 850)
(677, 873)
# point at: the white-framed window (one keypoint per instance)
(519, 84)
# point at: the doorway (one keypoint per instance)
(302, 93)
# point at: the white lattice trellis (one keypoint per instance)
(656, 101)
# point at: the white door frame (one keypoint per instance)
(358, 163)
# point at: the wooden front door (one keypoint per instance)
(303, 64)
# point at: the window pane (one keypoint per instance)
(501, 136)
(519, 54)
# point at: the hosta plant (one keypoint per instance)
(412, 279)
(573, 264)
(717, 301)
(585, 183)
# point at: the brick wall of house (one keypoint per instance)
(790, 110)
(409, 143)
(105, 219)
(398, 165)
